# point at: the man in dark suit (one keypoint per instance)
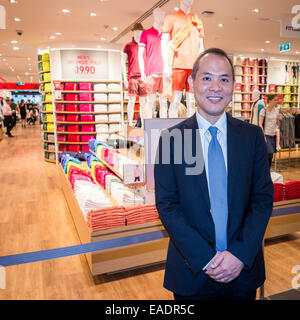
(214, 193)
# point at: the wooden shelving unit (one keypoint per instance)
(110, 121)
(252, 76)
(49, 155)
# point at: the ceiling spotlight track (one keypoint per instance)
(146, 15)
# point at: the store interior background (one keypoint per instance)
(235, 27)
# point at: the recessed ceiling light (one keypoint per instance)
(52, 37)
(262, 49)
(29, 64)
(0, 54)
(220, 25)
(26, 73)
(13, 1)
(255, 10)
(12, 70)
(16, 48)
(30, 69)
(4, 59)
(65, 11)
(58, 33)
(297, 52)
(17, 19)
(93, 14)
(176, 9)
(268, 41)
(115, 28)
(14, 41)
(103, 39)
(28, 58)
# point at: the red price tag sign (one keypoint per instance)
(85, 70)
(272, 88)
(238, 87)
(280, 99)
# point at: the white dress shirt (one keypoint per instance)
(205, 137)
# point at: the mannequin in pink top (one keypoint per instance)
(151, 65)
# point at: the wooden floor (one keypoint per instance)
(34, 216)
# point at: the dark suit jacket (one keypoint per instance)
(184, 208)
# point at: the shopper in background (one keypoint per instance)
(13, 107)
(8, 117)
(23, 112)
(256, 108)
(216, 202)
(269, 120)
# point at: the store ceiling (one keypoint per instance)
(243, 30)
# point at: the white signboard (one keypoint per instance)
(287, 30)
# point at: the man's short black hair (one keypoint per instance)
(217, 51)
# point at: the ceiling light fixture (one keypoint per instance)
(93, 14)
(14, 41)
(28, 58)
(52, 37)
(297, 52)
(16, 48)
(103, 39)
(268, 41)
(220, 25)
(255, 10)
(115, 28)
(17, 19)
(176, 9)
(58, 33)
(65, 11)
(262, 49)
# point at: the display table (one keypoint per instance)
(120, 259)
(282, 222)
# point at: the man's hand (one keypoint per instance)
(224, 267)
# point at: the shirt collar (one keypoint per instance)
(221, 124)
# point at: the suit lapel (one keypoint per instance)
(234, 147)
(192, 123)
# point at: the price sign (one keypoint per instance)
(84, 64)
(272, 88)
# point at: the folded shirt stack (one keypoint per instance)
(90, 196)
(279, 192)
(293, 190)
(141, 214)
(109, 179)
(100, 172)
(106, 218)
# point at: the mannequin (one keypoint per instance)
(257, 106)
(151, 64)
(186, 33)
(136, 87)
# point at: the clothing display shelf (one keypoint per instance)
(100, 114)
(250, 76)
(122, 258)
(289, 93)
(49, 155)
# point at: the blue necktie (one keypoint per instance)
(218, 189)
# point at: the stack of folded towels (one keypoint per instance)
(141, 214)
(293, 190)
(279, 192)
(106, 218)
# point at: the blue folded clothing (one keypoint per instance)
(69, 153)
(82, 155)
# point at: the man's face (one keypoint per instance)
(213, 86)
